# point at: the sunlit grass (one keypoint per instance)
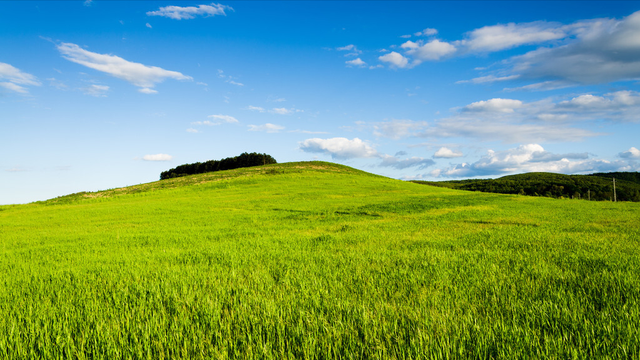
(315, 260)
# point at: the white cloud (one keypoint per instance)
(632, 153)
(137, 74)
(394, 162)
(339, 148)
(285, 111)
(426, 32)
(356, 62)
(220, 119)
(405, 36)
(604, 50)
(347, 48)
(96, 90)
(157, 157)
(500, 37)
(192, 130)
(147, 91)
(16, 79)
(433, 50)
(149, 26)
(494, 105)
(395, 59)
(410, 45)
(592, 51)
(530, 158)
(235, 83)
(543, 86)
(190, 12)
(270, 128)
(514, 121)
(13, 87)
(255, 108)
(447, 153)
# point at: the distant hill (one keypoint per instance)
(597, 187)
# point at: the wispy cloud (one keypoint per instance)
(137, 74)
(217, 120)
(16, 80)
(190, 12)
(285, 111)
(96, 90)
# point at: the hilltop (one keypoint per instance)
(316, 260)
(597, 187)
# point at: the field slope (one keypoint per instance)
(317, 260)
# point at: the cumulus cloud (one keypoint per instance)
(190, 12)
(432, 50)
(394, 162)
(591, 51)
(446, 153)
(515, 121)
(157, 157)
(530, 158)
(632, 153)
(395, 59)
(356, 62)
(339, 148)
(96, 90)
(135, 73)
(16, 79)
(270, 128)
(426, 32)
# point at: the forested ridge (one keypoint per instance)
(243, 160)
(596, 187)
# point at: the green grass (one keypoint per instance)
(316, 260)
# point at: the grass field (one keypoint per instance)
(317, 261)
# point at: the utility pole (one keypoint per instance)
(589, 192)
(614, 190)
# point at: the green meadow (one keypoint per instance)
(317, 261)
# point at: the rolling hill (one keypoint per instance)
(316, 260)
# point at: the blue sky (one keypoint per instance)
(103, 94)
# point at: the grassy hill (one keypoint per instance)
(597, 187)
(316, 260)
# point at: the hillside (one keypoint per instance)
(316, 260)
(597, 187)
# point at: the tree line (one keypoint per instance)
(243, 160)
(594, 187)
